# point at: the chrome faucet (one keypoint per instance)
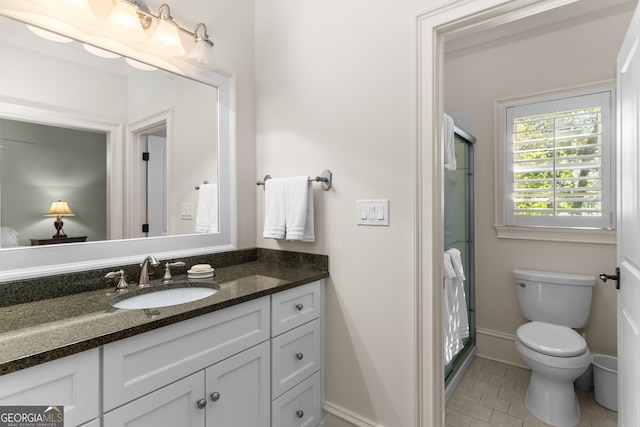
(143, 281)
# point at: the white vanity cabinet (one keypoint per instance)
(213, 364)
(297, 359)
(259, 363)
(72, 382)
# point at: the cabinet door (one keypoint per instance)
(72, 382)
(238, 390)
(178, 404)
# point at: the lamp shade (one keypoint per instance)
(59, 208)
(167, 38)
(125, 16)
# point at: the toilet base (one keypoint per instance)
(553, 402)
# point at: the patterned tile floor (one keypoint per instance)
(492, 394)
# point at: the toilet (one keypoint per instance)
(555, 304)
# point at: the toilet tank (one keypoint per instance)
(558, 298)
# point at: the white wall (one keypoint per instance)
(334, 91)
(553, 57)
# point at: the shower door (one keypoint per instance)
(459, 231)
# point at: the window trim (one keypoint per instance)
(549, 233)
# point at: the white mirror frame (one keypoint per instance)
(30, 262)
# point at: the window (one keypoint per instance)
(559, 161)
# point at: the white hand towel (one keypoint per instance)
(459, 294)
(299, 209)
(274, 209)
(456, 260)
(207, 213)
(452, 341)
(448, 142)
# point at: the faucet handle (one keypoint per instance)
(122, 285)
(167, 270)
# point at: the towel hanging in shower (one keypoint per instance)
(456, 324)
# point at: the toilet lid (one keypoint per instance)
(554, 340)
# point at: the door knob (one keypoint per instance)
(604, 277)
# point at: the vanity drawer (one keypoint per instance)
(72, 381)
(293, 307)
(295, 355)
(299, 407)
(141, 364)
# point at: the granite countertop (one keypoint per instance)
(36, 332)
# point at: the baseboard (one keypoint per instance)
(348, 416)
(499, 347)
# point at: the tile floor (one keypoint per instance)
(492, 394)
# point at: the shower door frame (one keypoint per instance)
(460, 362)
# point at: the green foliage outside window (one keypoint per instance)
(557, 163)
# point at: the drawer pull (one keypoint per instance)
(299, 306)
(299, 413)
(299, 356)
(201, 403)
(215, 396)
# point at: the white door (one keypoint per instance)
(628, 172)
(157, 185)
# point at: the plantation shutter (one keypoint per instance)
(559, 162)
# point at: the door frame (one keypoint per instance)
(448, 19)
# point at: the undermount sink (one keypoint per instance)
(165, 298)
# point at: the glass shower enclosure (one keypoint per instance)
(459, 234)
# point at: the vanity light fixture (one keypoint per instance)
(134, 16)
(166, 36)
(202, 50)
(58, 209)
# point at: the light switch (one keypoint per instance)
(186, 211)
(372, 212)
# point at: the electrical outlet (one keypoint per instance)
(186, 211)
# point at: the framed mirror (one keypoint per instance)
(80, 126)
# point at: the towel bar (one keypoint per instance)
(198, 187)
(324, 178)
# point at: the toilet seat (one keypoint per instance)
(550, 339)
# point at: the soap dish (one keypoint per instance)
(200, 274)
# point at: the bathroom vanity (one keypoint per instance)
(252, 354)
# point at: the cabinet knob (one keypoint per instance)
(299, 356)
(299, 306)
(215, 396)
(201, 403)
(299, 413)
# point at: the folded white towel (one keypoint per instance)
(288, 208)
(448, 142)
(207, 211)
(274, 209)
(296, 191)
(456, 260)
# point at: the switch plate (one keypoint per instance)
(372, 212)
(186, 211)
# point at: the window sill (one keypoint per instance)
(557, 234)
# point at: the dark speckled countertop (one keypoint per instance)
(46, 329)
